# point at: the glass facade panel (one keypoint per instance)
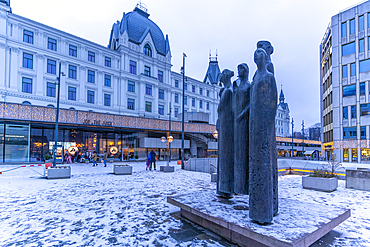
(353, 69)
(364, 109)
(353, 111)
(365, 154)
(344, 71)
(361, 23)
(16, 143)
(348, 49)
(352, 26)
(349, 90)
(361, 45)
(345, 112)
(344, 29)
(345, 155)
(354, 154)
(362, 88)
(363, 132)
(364, 65)
(349, 133)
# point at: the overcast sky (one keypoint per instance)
(294, 27)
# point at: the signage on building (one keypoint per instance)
(113, 150)
(72, 150)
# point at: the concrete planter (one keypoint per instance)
(122, 170)
(58, 172)
(167, 168)
(358, 179)
(320, 184)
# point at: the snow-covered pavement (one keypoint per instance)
(98, 208)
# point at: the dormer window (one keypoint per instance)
(148, 50)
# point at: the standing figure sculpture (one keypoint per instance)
(269, 49)
(241, 102)
(262, 141)
(225, 170)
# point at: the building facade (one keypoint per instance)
(282, 119)
(132, 77)
(344, 85)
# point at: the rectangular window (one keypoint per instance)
(176, 112)
(132, 67)
(349, 90)
(160, 76)
(26, 85)
(161, 109)
(353, 69)
(354, 154)
(193, 88)
(91, 76)
(148, 106)
(50, 89)
(365, 152)
(160, 93)
(344, 29)
(361, 23)
(345, 155)
(349, 132)
(131, 86)
(352, 28)
(177, 83)
(176, 98)
(148, 89)
(193, 102)
(185, 100)
(51, 67)
(52, 44)
(72, 72)
(362, 88)
(108, 62)
(90, 96)
(107, 80)
(185, 86)
(28, 36)
(364, 109)
(200, 104)
(201, 91)
(368, 42)
(361, 45)
(207, 93)
(207, 106)
(348, 49)
(131, 104)
(146, 70)
(344, 71)
(353, 111)
(363, 132)
(364, 65)
(72, 50)
(91, 56)
(27, 60)
(107, 99)
(71, 93)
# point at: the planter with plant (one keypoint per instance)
(136, 157)
(47, 158)
(323, 179)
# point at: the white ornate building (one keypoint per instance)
(282, 117)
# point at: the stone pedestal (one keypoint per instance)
(167, 168)
(58, 172)
(358, 179)
(213, 177)
(122, 170)
(297, 224)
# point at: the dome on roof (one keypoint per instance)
(137, 24)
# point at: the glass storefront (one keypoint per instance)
(354, 154)
(365, 154)
(345, 155)
(15, 143)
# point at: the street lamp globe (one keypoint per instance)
(163, 139)
(170, 139)
(215, 134)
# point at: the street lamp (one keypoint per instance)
(168, 141)
(215, 134)
(292, 135)
(183, 110)
(57, 115)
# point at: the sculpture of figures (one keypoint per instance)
(262, 141)
(226, 137)
(7, 2)
(266, 45)
(241, 102)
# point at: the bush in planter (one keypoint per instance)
(328, 170)
(136, 156)
(47, 157)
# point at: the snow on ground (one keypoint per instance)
(98, 208)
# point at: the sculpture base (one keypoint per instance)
(167, 168)
(297, 224)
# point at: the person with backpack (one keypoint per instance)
(152, 159)
(94, 158)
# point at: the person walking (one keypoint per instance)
(105, 158)
(94, 158)
(148, 162)
(152, 159)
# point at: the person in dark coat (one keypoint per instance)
(152, 159)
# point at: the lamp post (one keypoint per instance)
(57, 116)
(292, 135)
(170, 138)
(303, 137)
(183, 110)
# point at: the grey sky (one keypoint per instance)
(294, 27)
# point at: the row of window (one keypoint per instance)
(52, 45)
(72, 70)
(148, 107)
(352, 25)
(51, 89)
(364, 111)
(350, 48)
(350, 90)
(351, 132)
(365, 154)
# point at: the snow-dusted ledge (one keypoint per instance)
(58, 172)
(318, 183)
(122, 170)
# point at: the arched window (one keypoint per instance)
(50, 106)
(148, 50)
(26, 103)
(72, 108)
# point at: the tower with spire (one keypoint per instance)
(282, 117)
(213, 72)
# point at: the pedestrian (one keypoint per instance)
(105, 158)
(152, 159)
(148, 162)
(69, 158)
(94, 158)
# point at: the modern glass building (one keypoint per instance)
(345, 85)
